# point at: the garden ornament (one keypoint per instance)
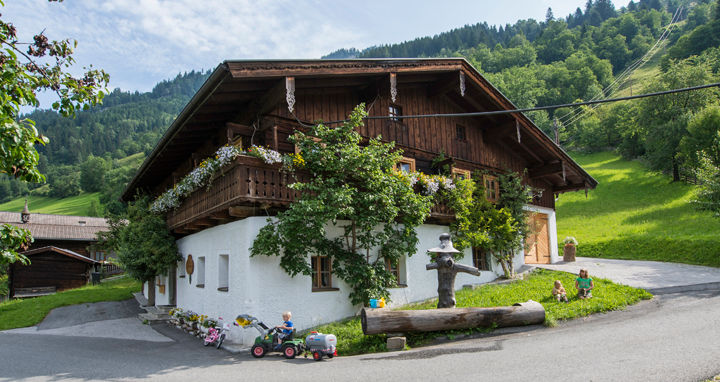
(447, 268)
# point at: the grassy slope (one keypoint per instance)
(73, 205)
(637, 215)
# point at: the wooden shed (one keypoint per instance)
(50, 267)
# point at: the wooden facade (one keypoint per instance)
(51, 267)
(265, 102)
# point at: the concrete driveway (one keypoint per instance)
(657, 277)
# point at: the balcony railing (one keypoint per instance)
(249, 182)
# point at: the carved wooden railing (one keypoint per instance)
(249, 181)
(246, 181)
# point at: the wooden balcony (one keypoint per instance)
(249, 187)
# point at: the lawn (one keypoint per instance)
(72, 205)
(31, 311)
(637, 215)
(608, 296)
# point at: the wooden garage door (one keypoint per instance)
(538, 251)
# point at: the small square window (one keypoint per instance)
(406, 165)
(395, 113)
(492, 188)
(460, 132)
(393, 268)
(480, 259)
(322, 273)
(460, 174)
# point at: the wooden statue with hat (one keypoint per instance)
(447, 268)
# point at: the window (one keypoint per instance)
(480, 259)
(492, 188)
(460, 174)
(406, 165)
(322, 276)
(395, 113)
(98, 255)
(223, 272)
(460, 132)
(181, 268)
(200, 272)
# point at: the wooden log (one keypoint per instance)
(376, 321)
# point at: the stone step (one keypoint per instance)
(165, 308)
(152, 318)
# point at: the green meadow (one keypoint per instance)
(637, 215)
(72, 205)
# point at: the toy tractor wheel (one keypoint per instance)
(317, 356)
(331, 355)
(290, 352)
(258, 351)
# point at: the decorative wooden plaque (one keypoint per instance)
(189, 265)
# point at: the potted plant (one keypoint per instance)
(178, 316)
(207, 323)
(569, 249)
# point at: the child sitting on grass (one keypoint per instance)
(584, 284)
(559, 292)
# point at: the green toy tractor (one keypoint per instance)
(268, 339)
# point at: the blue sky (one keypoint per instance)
(141, 42)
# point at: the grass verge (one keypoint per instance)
(31, 311)
(608, 296)
(636, 215)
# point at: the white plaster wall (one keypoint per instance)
(259, 287)
(552, 231)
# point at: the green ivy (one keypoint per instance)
(355, 184)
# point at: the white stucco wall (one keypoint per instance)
(259, 287)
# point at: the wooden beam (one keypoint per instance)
(497, 132)
(570, 187)
(546, 170)
(446, 84)
(205, 222)
(243, 211)
(191, 227)
(221, 215)
(377, 86)
(182, 231)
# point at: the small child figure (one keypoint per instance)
(584, 284)
(559, 292)
(287, 328)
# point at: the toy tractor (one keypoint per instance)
(317, 344)
(268, 339)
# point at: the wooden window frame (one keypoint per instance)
(317, 274)
(481, 260)
(408, 161)
(396, 116)
(457, 171)
(489, 188)
(460, 133)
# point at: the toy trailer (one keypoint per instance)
(321, 345)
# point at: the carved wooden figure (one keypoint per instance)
(447, 268)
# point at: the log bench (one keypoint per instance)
(34, 292)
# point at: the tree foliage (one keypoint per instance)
(141, 240)
(377, 207)
(23, 76)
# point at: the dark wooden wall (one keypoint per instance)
(50, 269)
(77, 246)
(421, 139)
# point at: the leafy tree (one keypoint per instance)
(664, 119)
(708, 197)
(92, 176)
(702, 138)
(377, 206)
(24, 76)
(141, 240)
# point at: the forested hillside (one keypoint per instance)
(592, 53)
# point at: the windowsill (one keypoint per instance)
(200, 285)
(182, 276)
(325, 289)
(223, 289)
(399, 286)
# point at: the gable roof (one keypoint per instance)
(237, 90)
(61, 251)
(59, 227)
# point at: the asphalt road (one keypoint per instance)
(675, 337)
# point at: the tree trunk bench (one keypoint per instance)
(34, 292)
